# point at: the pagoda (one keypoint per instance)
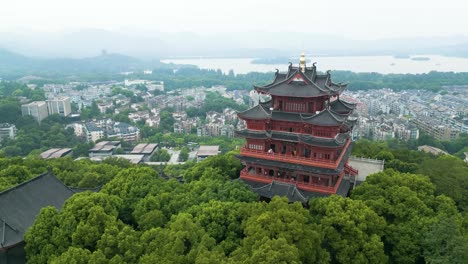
(298, 142)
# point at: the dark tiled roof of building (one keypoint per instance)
(20, 205)
(257, 112)
(341, 106)
(296, 83)
(325, 118)
(337, 141)
(283, 189)
(290, 190)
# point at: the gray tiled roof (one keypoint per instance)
(337, 141)
(314, 84)
(326, 118)
(256, 112)
(290, 190)
(340, 106)
(20, 205)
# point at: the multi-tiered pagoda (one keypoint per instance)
(299, 141)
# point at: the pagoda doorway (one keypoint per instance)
(273, 148)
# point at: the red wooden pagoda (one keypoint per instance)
(298, 142)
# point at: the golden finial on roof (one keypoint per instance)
(302, 62)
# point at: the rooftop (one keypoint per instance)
(21, 204)
(55, 153)
(144, 148)
(208, 151)
(306, 82)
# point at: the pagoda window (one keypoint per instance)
(306, 152)
(306, 178)
(259, 171)
(283, 150)
(311, 107)
(273, 148)
(326, 156)
(255, 146)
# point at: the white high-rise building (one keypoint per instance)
(37, 109)
(59, 105)
(7, 131)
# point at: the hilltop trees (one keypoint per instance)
(409, 206)
(137, 217)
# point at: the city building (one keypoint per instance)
(57, 153)
(59, 105)
(432, 150)
(147, 150)
(104, 148)
(436, 129)
(7, 131)
(207, 151)
(93, 132)
(298, 143)
(124, 131)
(38, 110)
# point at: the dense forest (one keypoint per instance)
(137, 217)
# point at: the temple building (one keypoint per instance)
(299, 141)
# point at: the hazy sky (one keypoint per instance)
(359, 19)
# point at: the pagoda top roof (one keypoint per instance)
(302, 82)
(326, 117)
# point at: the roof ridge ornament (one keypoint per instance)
(302, 62)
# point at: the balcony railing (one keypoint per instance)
(323, 163)
(310, 187)
(352, 171)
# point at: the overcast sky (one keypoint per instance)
(358, 19)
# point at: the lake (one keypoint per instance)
(380, 64)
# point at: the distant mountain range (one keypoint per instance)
(15, 65)
(155, 45)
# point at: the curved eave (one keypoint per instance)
(269, 89)
(255, 113)
(326, 118)
(338, 141)
(349, 106)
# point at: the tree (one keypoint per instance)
(407, 203)
(161, 155)
(228, 166)
(450, 176)
(352, 231)
(444, 243)
(39, 246)
(280, 223)
(166, 121)
(184, 154)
